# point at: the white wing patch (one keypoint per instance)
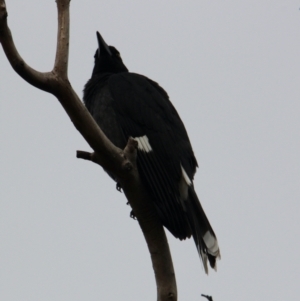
(184, 184)
(143, 144)
(211, 244)
(185, 176)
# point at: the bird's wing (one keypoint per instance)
(145, 113)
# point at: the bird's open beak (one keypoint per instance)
(102, 46)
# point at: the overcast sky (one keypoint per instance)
(231, 69)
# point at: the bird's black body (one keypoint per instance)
(127, 105)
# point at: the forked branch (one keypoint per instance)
(121, 163)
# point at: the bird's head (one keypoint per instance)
(107, 58)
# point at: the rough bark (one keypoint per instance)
(119, 162)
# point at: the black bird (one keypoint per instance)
(127, 105)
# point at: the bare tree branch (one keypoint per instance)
(62, 49)
(38, 79)
(120, 163)
(85, 155)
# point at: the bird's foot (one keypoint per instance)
(132, 215)
(119, 187)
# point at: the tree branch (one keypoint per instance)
(62, 49)
(38, 79)
(84, 155)
(122, 164)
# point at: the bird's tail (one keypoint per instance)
(203, 234)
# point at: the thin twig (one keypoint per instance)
(38, 79)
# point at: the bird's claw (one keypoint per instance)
(119, 187)
(132, 215)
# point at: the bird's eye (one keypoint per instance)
(118, 54)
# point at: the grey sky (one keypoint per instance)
(231, 69)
